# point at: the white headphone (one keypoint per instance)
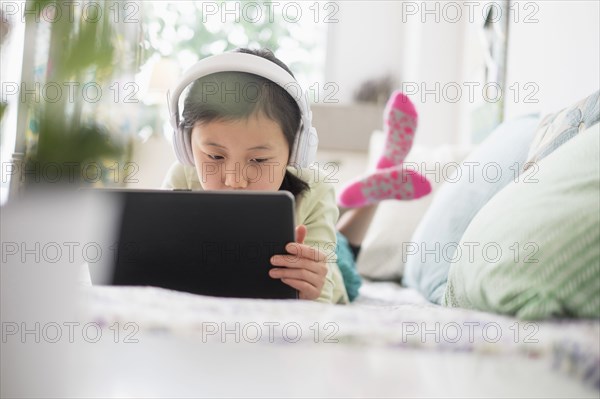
(306, 141)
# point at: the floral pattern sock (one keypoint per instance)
(391, 183)
(400, 124)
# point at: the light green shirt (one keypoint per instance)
(315, 208)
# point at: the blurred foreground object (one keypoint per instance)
(66, 94)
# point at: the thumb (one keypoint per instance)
(300, 233)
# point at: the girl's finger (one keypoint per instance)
(300, 233)
(313, 279)
(306, 291)
(295, 262)
(304, 251)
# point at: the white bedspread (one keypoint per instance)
(386, 318)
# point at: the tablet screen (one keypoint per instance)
(210, 242)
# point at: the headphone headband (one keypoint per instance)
(306, 141)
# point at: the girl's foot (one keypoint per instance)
(400, 123)
(392, 183)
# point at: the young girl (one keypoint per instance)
(244, 142)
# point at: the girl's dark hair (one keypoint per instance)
(238, 95)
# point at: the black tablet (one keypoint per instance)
(209, 242)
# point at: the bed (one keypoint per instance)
(390, 342)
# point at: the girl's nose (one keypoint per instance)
(233, 176)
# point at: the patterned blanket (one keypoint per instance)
(385, 314)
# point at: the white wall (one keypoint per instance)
(373, 38)
(560, 55)
(432, 62)
(365, 43)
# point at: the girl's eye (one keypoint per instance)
(215, 157)
(259, 160)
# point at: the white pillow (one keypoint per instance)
(394, 222)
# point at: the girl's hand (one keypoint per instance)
(304, 269)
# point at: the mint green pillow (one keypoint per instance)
(458, 201)
(533, 251)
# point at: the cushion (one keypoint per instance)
(381, 256)
(495, 163)
(546, 258)
(559, 127)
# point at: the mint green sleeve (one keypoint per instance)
(181, 177)
(318, 211)
(175, 177)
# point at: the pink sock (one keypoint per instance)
(400, 123)
(391, 183)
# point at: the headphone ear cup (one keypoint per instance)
(304, 152)
(181, 143)
(313, 144)
(187, 146)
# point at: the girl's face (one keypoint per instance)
(244, 154)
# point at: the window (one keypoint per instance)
(187, 31)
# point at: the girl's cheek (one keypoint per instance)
(272, 176)
(208, 174)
